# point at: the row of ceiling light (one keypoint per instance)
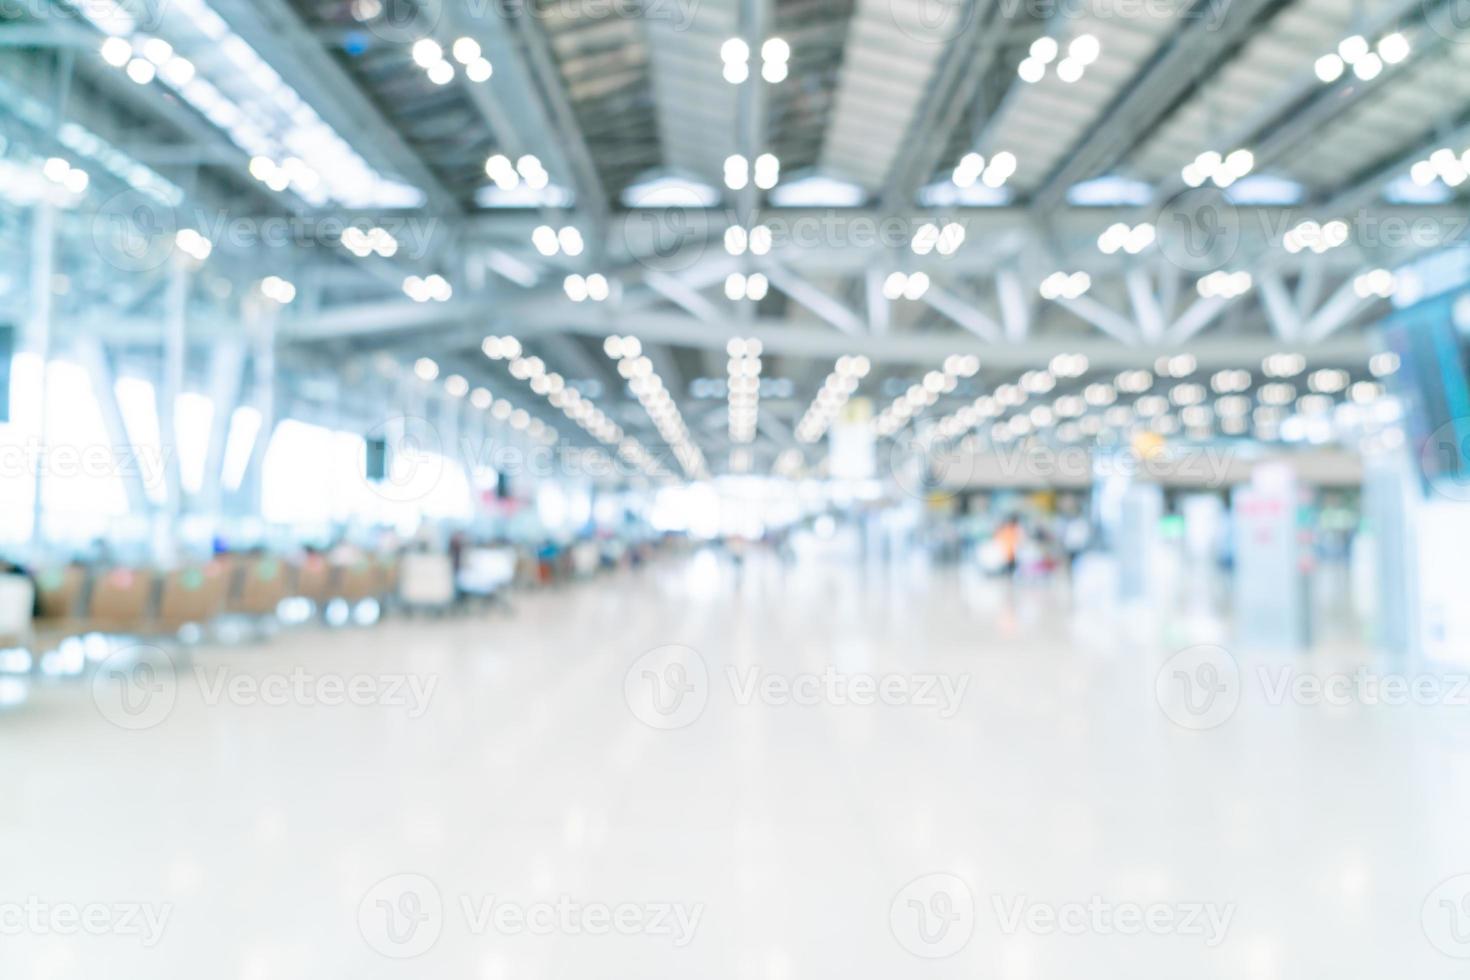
(644, 382)
(775, 54)
(426, 369)
(429, 55)
(834, 394)
(926, 392)
(1082, 51)
(744, 387)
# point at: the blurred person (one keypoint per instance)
(1008, 540)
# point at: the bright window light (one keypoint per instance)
(239, 445)
(193, 417)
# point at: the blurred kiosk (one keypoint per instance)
(1270, 575)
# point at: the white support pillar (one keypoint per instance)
(227, 362)
(38, 341)
(260, 320)
(93, 356)
(1015, 305)
(879, 309)
(170, 387)
(1146, 306)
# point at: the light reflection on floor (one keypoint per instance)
(809, 836)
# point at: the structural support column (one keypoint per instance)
(93, 355)
(171, 386)
(38, 342)
(260, 321)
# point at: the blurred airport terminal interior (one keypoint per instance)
(751, 489)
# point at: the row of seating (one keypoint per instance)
(75, 599)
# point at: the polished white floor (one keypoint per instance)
(322, 840)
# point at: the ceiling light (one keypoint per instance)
(427, 53)
(1329, 68)
(441, 73)
(1061, 285)
(178, 72)
(1351, 48)
(1368, 67)
(575, 287)
(1084, 49)
(737, 172)
(968, 170)
(479, 70)
(141, 71)
(1283, 365)
(545, 241)
(734, 49)
(116, 51)
(466, 50)
(767, 171)
(425, 369)
(278, 289)
(1224, 285)
(1044, 49)
(760, 240)
(157, 50)
(1382, 364)
(1376, 282)
(917, 285)
(597, 288)
(924, 239)
(1393, 48)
